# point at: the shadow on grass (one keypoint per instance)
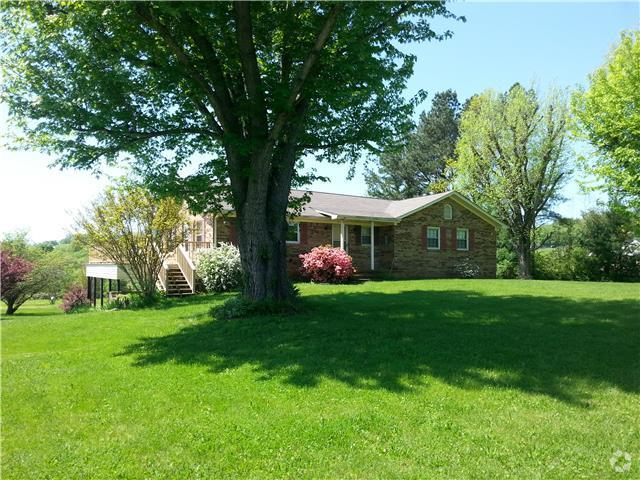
(398, 342)
(188, 300)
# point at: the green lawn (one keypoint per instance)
(411, 379)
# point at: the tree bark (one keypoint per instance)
(10, 309)
(525, 259)
(262, 224)
(263, 253)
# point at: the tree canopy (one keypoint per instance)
(251, 87)
(607, 114)
(512, 159)
(419, 165)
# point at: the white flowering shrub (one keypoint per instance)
(466, 268)
(220, 269)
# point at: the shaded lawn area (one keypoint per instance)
(405, 379)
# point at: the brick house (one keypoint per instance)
(424, 237)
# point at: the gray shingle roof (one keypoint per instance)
(350, 206)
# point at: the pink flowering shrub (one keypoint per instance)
(326, 264)
(75, 298)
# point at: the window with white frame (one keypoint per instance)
(199, 230)
(365, 235)
(462, 239)
(293, 233)
(433, 238)
(448, 212)
(335, 234)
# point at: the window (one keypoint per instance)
(462, 239)
(433, 238)
(448, 212)
(199, 230)
(365, 235)
(335, 236)
(293, 233)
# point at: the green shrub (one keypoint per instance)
(562, 263)
(120, 302)
(506, 257)
(220, 269)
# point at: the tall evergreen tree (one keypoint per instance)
(418, 166)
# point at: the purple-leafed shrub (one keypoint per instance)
(76, 297)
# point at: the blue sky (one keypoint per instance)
(546, 44)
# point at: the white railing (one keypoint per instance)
(162, 275)
(186, 266)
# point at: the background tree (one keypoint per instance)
(129, 226)
(609, 236)
(607, 114)
(252, 86)
(27, 279)
(419, 166)
(13, 270)
(512, 159)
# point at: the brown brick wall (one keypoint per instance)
(412, 259)
(398, 249)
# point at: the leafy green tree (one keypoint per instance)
(419, 166)
(129, 226)
(253, 87)
(609, 235)
(607, 114)
(18, 244)
(512, 159)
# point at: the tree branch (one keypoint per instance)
(305, 70)
(251, 73)
(147, 15)
(138, 135)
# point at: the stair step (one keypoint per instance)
(176, 284)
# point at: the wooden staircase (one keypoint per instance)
(177, 285)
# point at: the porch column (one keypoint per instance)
(101, 292)
(342, 235)
(215, 231)
(373, 242)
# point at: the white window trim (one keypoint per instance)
(448, 207)
(362, 236)
(335, 239)
(297, 241)
(462, 249)
(439, 240)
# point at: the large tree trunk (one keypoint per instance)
(525, 259)
(261, 208)
(263, 254)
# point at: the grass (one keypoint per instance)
(405, 379)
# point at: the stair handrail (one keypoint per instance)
(162, 275)
(186, 266)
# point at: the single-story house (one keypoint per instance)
(422, 237)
